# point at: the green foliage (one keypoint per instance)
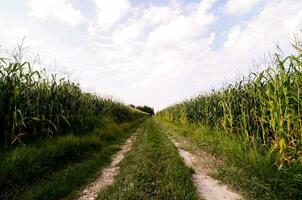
(33, 104)
(152, 170)
(264, 109)
(241, 164)
(146, 109)
(52, 168)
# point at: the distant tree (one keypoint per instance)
(146, 109)
(131, 105)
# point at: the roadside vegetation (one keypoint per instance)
(53, 136)
(144, 108)
(152, 170)
(255, 124)
(73, 169)
(36, 105)
(239, 163)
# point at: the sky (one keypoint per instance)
(150, 52)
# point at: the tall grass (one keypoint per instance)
(265, 108)
(53, 167)
(34, 104)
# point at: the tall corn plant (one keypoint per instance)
(265, 108)
(34, 104)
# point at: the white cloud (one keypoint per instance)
(237, 7)
(182, 38)
(157, 54)
(252, 40)
(183, 27)
(127, 34)
(108, 13)
(157, 15)
(61, 10)
(271, 26)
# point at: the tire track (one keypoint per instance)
(108, 174)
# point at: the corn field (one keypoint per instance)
(265, 108)
(33, 104)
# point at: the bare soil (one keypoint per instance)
(108, 174)
(201, 162)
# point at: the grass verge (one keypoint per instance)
(53, 168)
(152, 170)
(245, 166)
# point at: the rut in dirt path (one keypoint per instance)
(208, 188)
(108, 174)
